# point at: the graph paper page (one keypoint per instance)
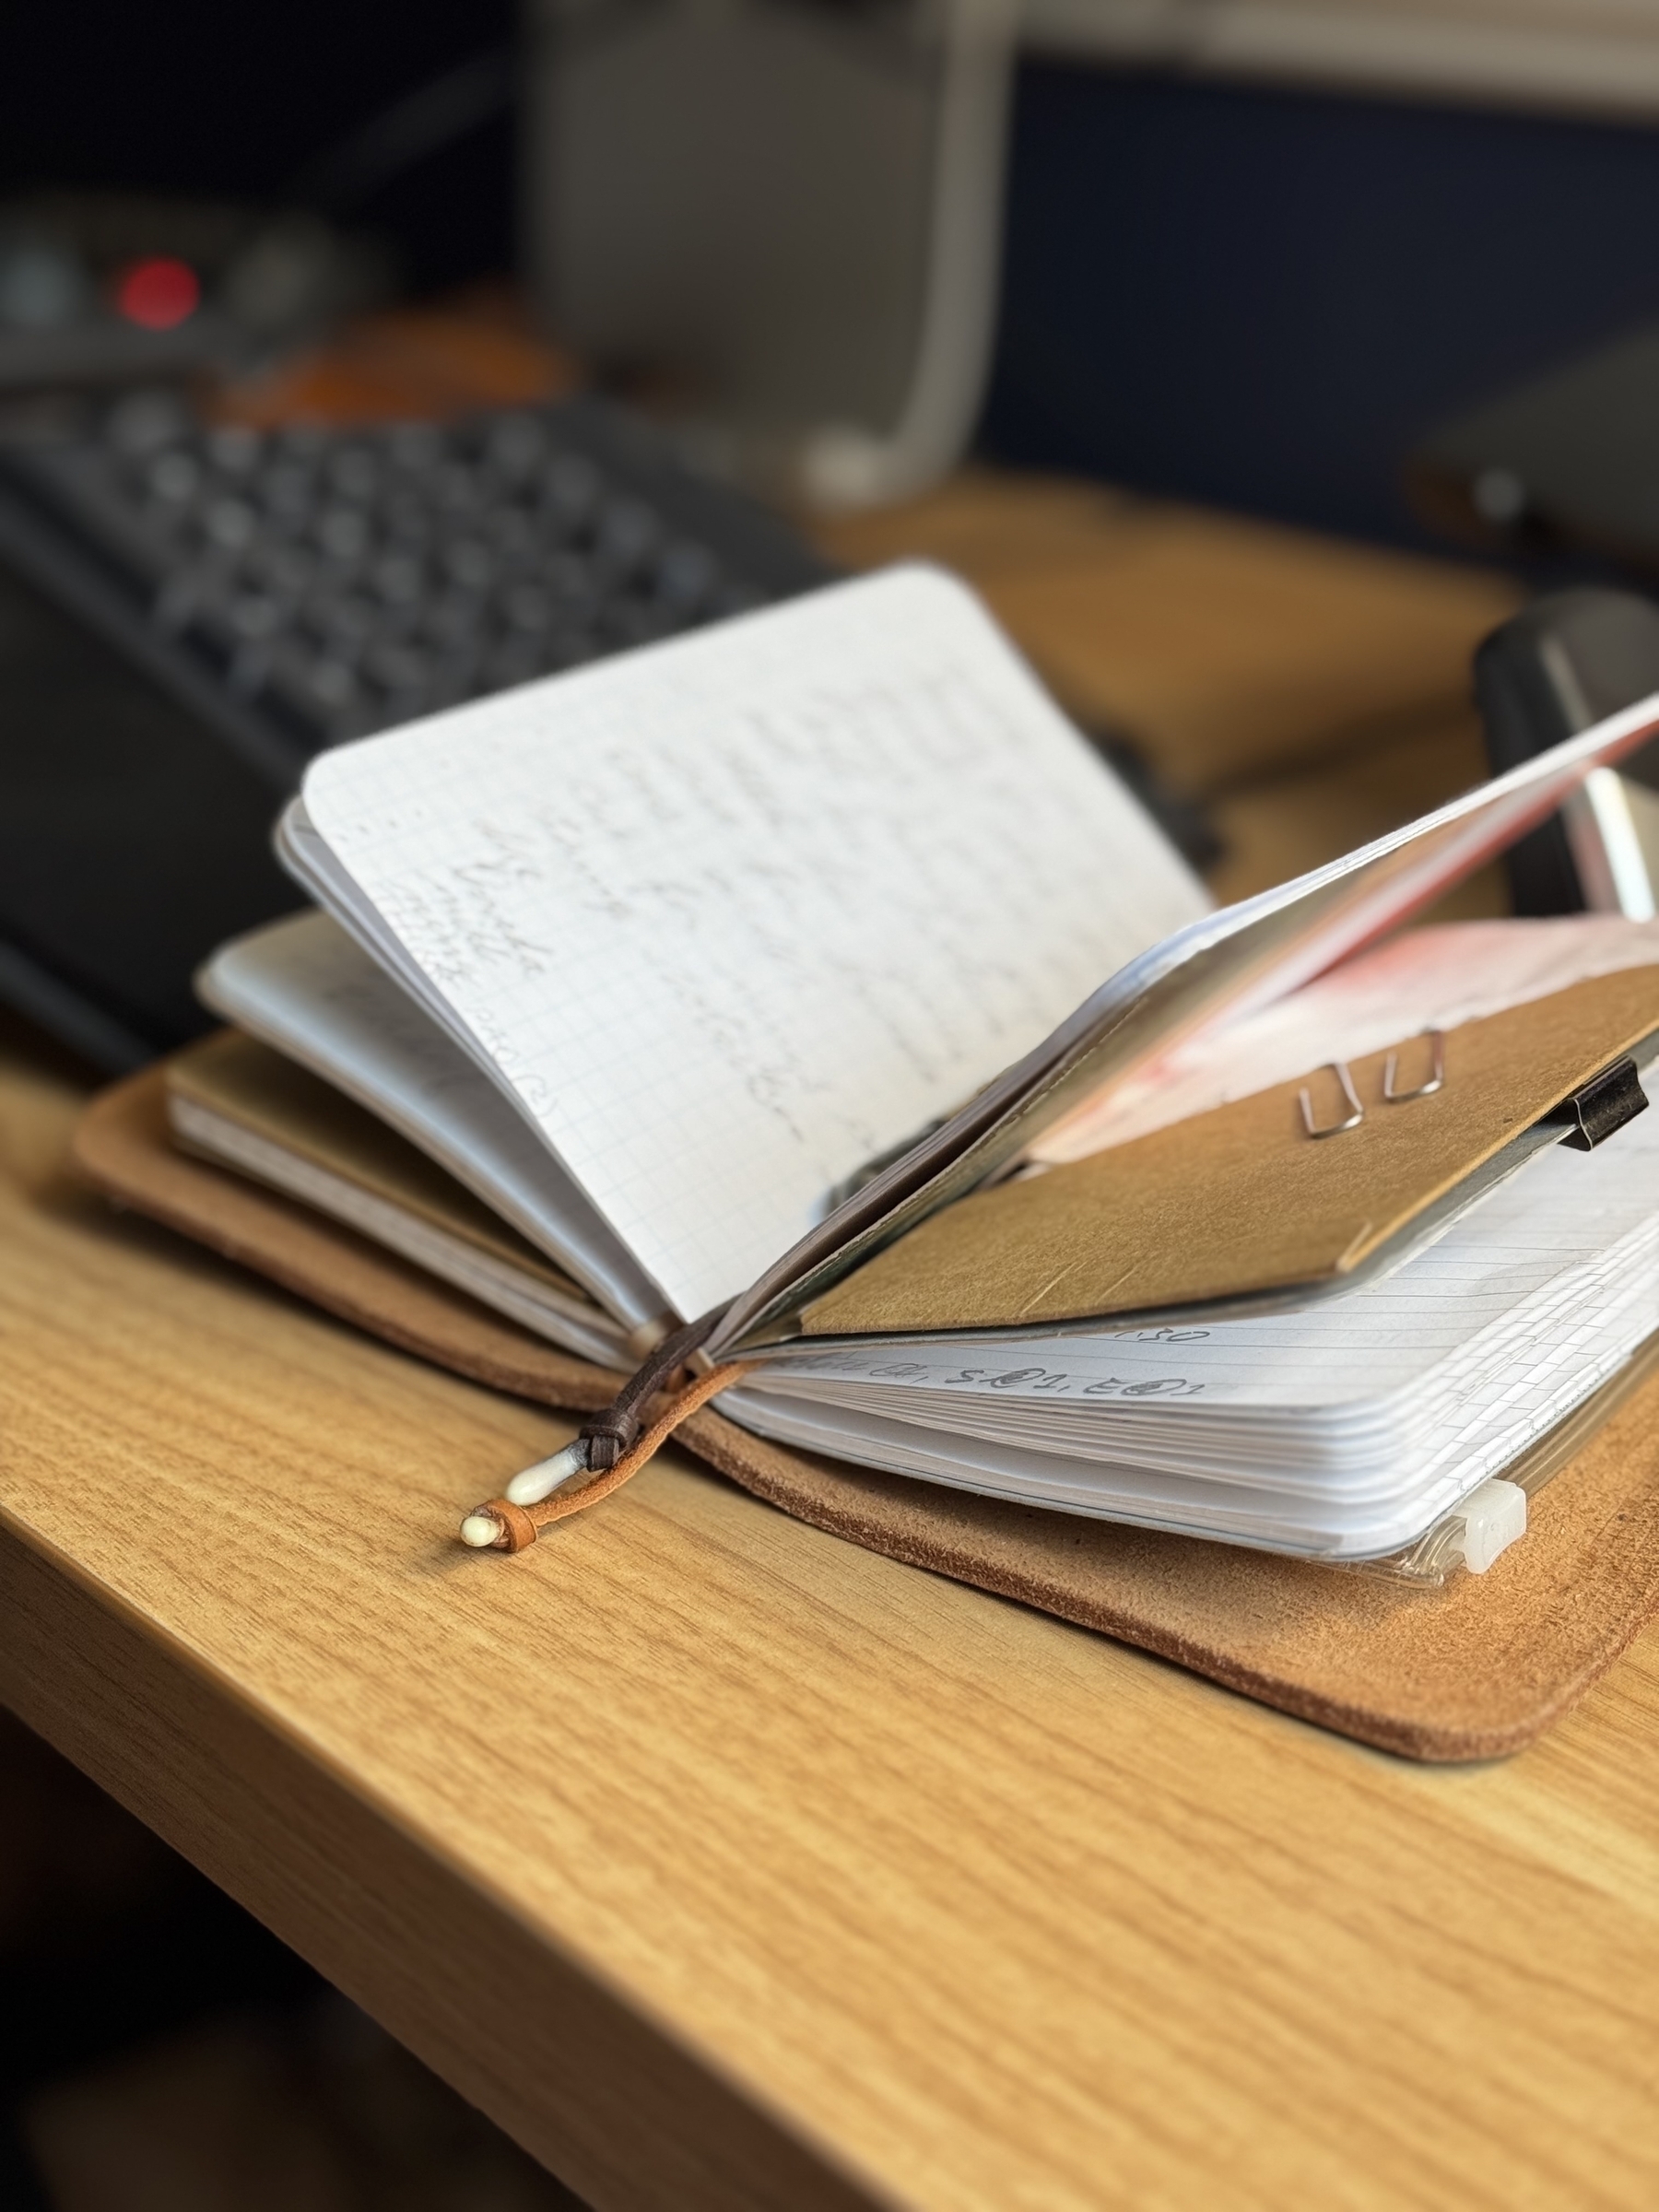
(731, 915)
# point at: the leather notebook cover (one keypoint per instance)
(1470, 1671)
(1242, 1199)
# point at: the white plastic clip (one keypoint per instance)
(1493, 1516)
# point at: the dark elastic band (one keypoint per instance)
(610, 1433)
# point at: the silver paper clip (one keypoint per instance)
(1437, 1072)
(1356, 1111)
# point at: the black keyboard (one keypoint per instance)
(187, 613)
(334, 582)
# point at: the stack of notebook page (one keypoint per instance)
(761, 973)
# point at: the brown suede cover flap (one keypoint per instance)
(1476, 1669)
(272, 1097)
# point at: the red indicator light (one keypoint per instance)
(158, 294)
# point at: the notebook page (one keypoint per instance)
(1328, 1520)
(302, 986)
(1320, 1523)
(732, 915)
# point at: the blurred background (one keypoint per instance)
(1258, 358)
(1248, 252)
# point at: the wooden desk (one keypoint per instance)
(727, 1865)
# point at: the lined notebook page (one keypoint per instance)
(732, 915)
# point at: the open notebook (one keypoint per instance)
(761, 972)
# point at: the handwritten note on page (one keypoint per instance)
(731, 915)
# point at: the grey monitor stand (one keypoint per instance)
(787, 212)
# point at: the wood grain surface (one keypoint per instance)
(725, 1864)
(728, 1865)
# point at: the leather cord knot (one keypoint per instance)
(616, 1443)
(611, 1433)
(500, 1526)
(608, 1435)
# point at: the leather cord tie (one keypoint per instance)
(609, 1434)
(617, 1444)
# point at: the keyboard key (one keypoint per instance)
(455, 679)
(144, 422)
(289, 492)
(572, 490)
(529, 606)
(512, 534)
(230, 523)
(343, 534)
(286, 569)
(515, 447)
(399, 579)
(332, 682)
(180, 594)
(410, 525)
(470, 563)
(626, 535)
(687, 578)
(174, 478)
(396, 667)
(414, 447)
(515, 661)
(573, 582)
(354, 475)
(321, 697)
(456, 621)
(304, 442)
(628, 622)
(255, 617)
(457, 488)
(235, 452)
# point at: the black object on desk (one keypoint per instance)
(187, 614)
(1565, 662)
